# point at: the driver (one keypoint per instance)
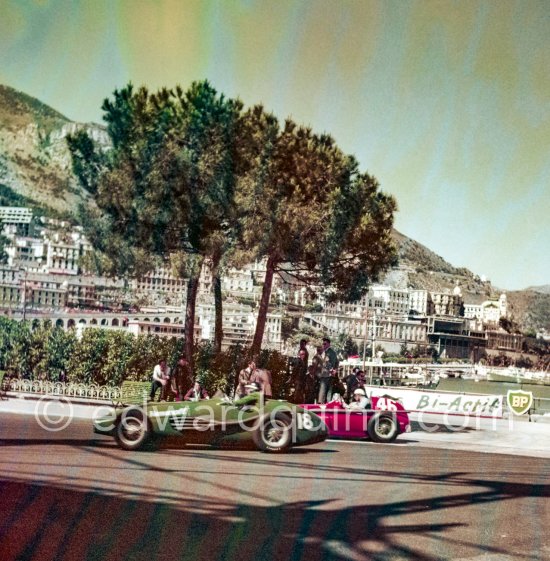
(252, 387)
(360, 400)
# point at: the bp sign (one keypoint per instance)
(519, 401)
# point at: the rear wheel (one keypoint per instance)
(383, 427)
(133, 431)
(274, 433)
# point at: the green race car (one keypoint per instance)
(272, 425)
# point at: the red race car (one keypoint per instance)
(381, 422)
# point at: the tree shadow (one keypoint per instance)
(55, 522)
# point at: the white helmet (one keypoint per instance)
(359, 391)
(253, 386)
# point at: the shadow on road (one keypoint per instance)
(54, 522)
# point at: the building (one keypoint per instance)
(394, 301)
(16, 220)
(503, 341)
(445, 304)
(27, 253)
(239, 325)
(489, 311)
(452, 338)
(63, 253)
(418, 302)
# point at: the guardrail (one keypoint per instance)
(61, 389)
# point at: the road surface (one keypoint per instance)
(72, 495)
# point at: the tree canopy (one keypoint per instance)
(193, 177)
(303, 204)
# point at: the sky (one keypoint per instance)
(446, 103)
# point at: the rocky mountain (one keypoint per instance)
(423, 269)
(544, 289)
(35, 170)
(34, 158)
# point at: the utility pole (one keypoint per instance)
(373, 343)
(366, 332)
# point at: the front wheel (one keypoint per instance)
(274, 434)
(383, 427)
(133, 431)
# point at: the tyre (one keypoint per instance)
(133, 431)
(274, 433)
(383, 427)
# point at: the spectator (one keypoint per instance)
(299, 375)
(352, 383)
(161, 376)
(303, 352)
(329, 369)
(196, 393)
(181, 376)
(245, 376)
(315, 371)
(253, 374)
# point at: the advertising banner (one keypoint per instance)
(449, 403)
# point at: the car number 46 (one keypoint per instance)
(386, 404)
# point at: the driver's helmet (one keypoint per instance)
(360, 391)
(253, 387)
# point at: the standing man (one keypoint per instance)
(181, 376)
(161, 376)
(315, 371)
(253, 374)
(245, 376)
(329, 369)
(299, 374)
(352, 383)
(303, 353)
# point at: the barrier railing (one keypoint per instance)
(61, 389)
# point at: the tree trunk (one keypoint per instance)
(192, 289)
(218, 306)
(264, 306)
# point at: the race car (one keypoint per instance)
(272, 425)
(382, 422)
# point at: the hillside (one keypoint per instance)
(34, 159)
(35, 171)
(544, 289)
(425, 269)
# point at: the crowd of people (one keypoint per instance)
(318, 381)
(314, 381)
(172, 383)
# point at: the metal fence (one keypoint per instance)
(83, 391)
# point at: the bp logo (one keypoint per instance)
(519, 401)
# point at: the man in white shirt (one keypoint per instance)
(161, 376)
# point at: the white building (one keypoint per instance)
(239, 325)
(16, 220)
(395, 301)
(418, 301)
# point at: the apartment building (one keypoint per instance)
(418, 302)
(17, 221)
(444, 304)
(239, 324)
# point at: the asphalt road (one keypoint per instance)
(72, 495)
